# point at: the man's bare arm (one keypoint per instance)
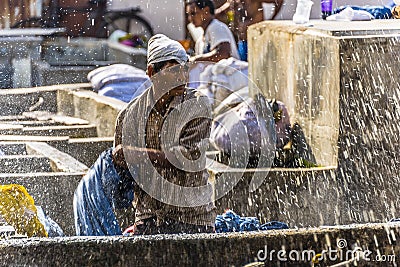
(222, 51)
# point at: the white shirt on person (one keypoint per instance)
(216, 33)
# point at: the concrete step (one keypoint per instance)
(60, 162)
(24, 164)
(41, 118)
(75, 131)
(49, 175)
(86, 150)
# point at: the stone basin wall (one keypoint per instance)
(293, 247)
(340, 83)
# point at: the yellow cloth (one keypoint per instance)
(18, 209)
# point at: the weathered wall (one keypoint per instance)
(311, 69)
(377, 241)
(300, 66)
(308, 197)
(99, 110)
(342, 87)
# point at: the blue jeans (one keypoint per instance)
(242, 48)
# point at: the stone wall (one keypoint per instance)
(311, 69)
(49, 175)
(306, 197)
(295, 247)
(99, 110)
(339, 81)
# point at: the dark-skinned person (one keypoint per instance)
(161, 137)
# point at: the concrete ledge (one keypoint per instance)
(234, 249)
(60, 162)
(86, 150)
(24, 164)
(44, 73)
(99, 110)
(136, 57)
(17, 101)
(51, 140)
(61, 130)
(303, 197)
(75, 100)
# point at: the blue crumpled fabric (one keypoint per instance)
(378, 12)
(99, 192)
(124, 91)
(51, 227)
(231, 222)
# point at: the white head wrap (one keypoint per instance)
(161, 48)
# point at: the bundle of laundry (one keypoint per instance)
(229, 221)
(100, 192)
(219, 80)
(120, 81)
(19, 211)
(245, 132)
(354, 12)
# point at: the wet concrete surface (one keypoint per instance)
(232, 249)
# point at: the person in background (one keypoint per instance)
(218, 41)
(247, 12)
(240, 14)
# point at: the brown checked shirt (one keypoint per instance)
(190, 137)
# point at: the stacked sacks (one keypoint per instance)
(120, 81)
(218, 81)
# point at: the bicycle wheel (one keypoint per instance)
(130, 23)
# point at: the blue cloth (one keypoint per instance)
(378, 12)
(101, 191)
(124, 91)
(51, 227)
(243, 50)
(231, 222)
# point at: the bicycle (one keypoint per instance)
(98, 22)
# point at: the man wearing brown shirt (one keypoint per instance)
(162, 134)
